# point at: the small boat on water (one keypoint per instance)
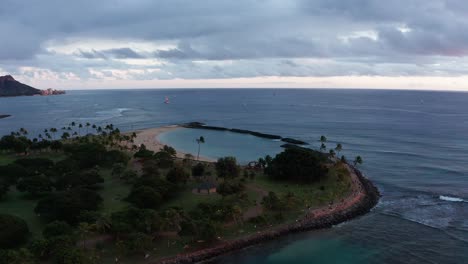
(166, 100)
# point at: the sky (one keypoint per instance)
(399, 44)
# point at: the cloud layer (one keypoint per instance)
(213, 39)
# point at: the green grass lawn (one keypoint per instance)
(113, 192)
(6, 159)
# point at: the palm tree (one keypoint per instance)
(323, 147)
(53, 130)
(332, 153)
(357, 160)
(87, 126)
(338, 148)
(323, 139)
(80, 126)
(65, 135)
(23, 131)
(200, 141)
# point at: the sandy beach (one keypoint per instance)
(149, 137)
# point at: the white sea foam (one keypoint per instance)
(111, 113)
(450, 199)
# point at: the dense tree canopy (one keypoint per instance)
(145, 197)
(198, 170)
(68, 205)
(35, 165)
(89, 178)
(177, 175)
(163, 187)
(13, 231)
(11, 173)
(35, 185)
(297, 164)
(57, 228)
(227, 167)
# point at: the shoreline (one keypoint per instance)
(150, 138)
(320, 218)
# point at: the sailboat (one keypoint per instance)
(166, 100)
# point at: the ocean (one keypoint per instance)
(414, 145)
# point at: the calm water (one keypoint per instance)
(414, 145)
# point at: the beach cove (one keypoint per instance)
(362, 198)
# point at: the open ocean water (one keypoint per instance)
(414, 146)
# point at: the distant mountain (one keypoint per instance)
(11, 87)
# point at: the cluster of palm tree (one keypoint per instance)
(336, 151)
(107, 135)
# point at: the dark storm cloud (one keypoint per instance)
(358, 34)
(120, 53)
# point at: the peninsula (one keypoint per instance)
(11, 87)
(125, 197)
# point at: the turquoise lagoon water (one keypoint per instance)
(218, 144)
(414, 145)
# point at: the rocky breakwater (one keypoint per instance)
(199, 125)
(317, 219)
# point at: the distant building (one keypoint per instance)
(206, 188)
(51, 92)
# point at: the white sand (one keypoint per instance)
(149, 137)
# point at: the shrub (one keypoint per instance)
(229, 187)
(145, 197)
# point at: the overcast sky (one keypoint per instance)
(417, 44)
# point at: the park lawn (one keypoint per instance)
(7, 158)
(15, 203)
(113, 193)
(188, 200)
(161, 247)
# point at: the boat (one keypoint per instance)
(166, 100)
